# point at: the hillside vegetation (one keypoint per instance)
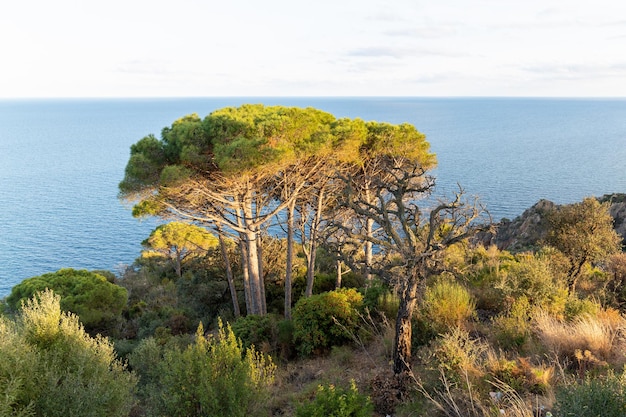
(305, 270)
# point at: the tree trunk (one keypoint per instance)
(246, 276)
(317, 219)
(369, 247)
(253, 260)
(574, 273)
(259, 246)
(310, 272)
(369, 252)
(229, 272)
(253, 272)
(178, 264)
(339, 273)
(289, 267)
(404, 329)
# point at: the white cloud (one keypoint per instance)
(281, 47)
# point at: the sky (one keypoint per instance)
(207, 48)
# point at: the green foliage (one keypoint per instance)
(457, 353)
(16, 383)
(89, 295)
(331, 401)
(593, 397)
(315, 328)
(404, 140)
(49, 366)
(512, 329)
(577, 307)
(252, 135)
(270, 333)
(380, 299)
(179, 242)
(215, 376)
(257, 330)
(531, 276)
(447, 304)
(583, 232)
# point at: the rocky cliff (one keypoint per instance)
(527, 231)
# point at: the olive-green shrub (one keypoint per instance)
(331, 401)
(592, 397)
(49, 366)
(447, 304)
(214, 376)
(326, 320)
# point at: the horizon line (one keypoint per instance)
(309, 97)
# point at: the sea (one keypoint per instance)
(61, 162)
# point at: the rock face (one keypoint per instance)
(618, 211)
(527, 231)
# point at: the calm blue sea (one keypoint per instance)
(61, 161)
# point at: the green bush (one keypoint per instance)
(49, 366)
(87, 294)
(513, 329)
(16, 383)
(447, 304)
(257, 330)
(325, 320)
(269, 333)
(337, 402)
(595, 397)
(458, 353)
(576, 307)
(214, 376)
(379, 298)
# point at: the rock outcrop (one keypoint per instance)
(526, 232)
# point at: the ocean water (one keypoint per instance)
(61, 161)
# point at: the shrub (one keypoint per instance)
(379, 298)
(519, 374)
(532, 276)
(447, 304)
(89, 295)
(53, 368)
(458, 353)
(576, 307)
(513, 329)
(16, 382)
(257, 330)
(325, 320)
(215, 376)
(604, 397)
(270, 334)
(331, 401)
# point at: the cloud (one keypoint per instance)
(156, 68)
(576, 71)
(424, 32)
(401, 52)
(379, 51)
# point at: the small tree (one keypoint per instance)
(179, 242)
(584, 233)
(410, 239)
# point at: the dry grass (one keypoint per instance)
(462, 400)
(602, 335)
